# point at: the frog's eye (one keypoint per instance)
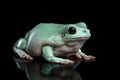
(71, 30)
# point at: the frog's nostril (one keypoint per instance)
(84, 31)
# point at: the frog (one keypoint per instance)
(53, 42)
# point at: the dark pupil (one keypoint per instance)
(72, 30)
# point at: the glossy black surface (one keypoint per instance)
(49, 71)
(36, 70)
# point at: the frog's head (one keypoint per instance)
(77, 32)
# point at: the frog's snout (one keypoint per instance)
(87, 33)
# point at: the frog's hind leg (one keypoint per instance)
(19, 48)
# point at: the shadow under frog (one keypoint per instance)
(49, 71)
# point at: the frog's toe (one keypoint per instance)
(89, 58)
(92, 57)
(78, 56)
(67, 61)
(26, 56)
(71, 62)
(22, 56)
(86, 58)
(29, 58)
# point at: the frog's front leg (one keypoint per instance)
(19, 49)
(83, 56)
(48, 55)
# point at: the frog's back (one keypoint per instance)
(39, 35)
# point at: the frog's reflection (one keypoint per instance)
(49, 71)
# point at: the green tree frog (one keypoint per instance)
(53, 41)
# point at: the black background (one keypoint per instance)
(16, 21)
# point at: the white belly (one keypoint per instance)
(68, 48)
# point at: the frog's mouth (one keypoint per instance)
(77, 39)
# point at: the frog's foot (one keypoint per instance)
(88, 57)
(59, 60)
(67, 61)
(24, 55)
(85, 57)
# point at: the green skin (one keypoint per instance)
(53, 41)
